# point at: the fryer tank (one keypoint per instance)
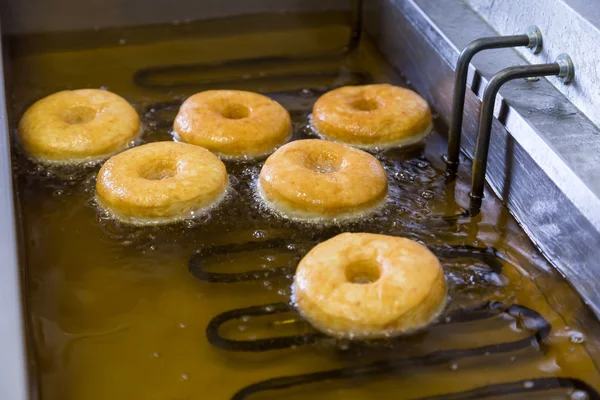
(545, 143)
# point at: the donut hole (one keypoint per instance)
(159, 170)
(363, 104)
(323, 162)
(235, 111)
(363, 271)
(79, 115)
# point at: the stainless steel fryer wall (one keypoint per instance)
(571, 26)
(544, 152)
(34, 16)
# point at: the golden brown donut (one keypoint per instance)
(233, 124)
(318, 179)
(75, 126)
(161, 182)
(362, 285)
(372, 116)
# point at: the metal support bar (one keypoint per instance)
(532, 39)
(562, 67)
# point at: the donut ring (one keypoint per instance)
(75, 126)
(372, 116)
(161, 183)
(318, 179)
(362, 285)
(233, 124)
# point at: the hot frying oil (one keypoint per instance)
(115, 313)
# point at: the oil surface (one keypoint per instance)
(114, 312)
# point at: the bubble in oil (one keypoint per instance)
(204, 218)
(245, 318)
(405, 176)
(528, 384)
(103, 215)
(182, 325)
(58, 192)
(242, 328)
(185, 377)
(343, 345)
(576, 337)
(579, 395)
(454, 366)
(233, 180)
(155, 354)
(258, 234)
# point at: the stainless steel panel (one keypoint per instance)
(544, 169)
(13, 370)
(569, 26)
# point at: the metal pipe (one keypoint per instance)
(563, 67)
(532, 39)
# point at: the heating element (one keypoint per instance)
(533, 322)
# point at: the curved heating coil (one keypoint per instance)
(197, 268)
(523, 387)
(196, 264)
(538, 327)
(541, 328)
(526, 386)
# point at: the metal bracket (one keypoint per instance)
(535, 39)
(567, 69)
(532, 39)
(562, 67)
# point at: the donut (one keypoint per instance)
(372, 116)
(75, 126)
(368, 286)
(160, 182)
(233, 124)
(316, 179)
